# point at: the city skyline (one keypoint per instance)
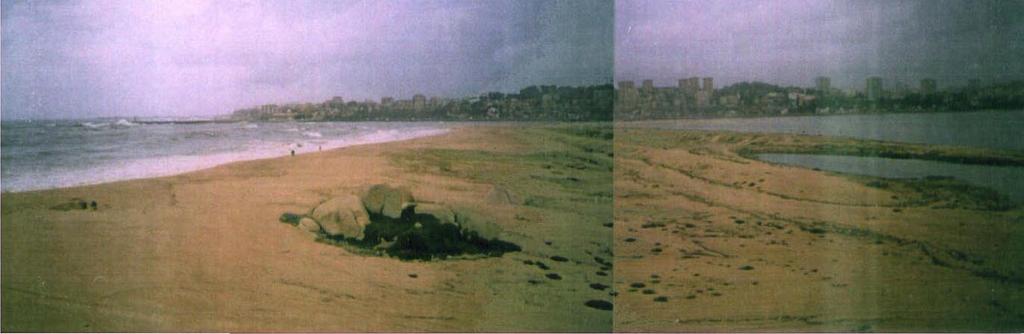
(111, 58)
(198, 58)
(792, 42)
(924, 84)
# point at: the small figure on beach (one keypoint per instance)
(293, 152)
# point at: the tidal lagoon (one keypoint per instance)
(986, 129)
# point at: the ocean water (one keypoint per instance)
(988, 129)
(52, 154)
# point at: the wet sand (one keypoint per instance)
(204, 251)
(707, 239)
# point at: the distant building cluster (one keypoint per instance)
(561, 103)
(690, 97)
(698, 97)
(690, 94)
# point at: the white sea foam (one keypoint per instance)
(381, 136)
(124, 123)
(92, 125)
(121, 123)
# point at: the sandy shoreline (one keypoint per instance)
(732, 243)
(205, 251)
(705, 238)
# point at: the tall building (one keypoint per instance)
(648, 86)
(627, 95)
(874, 88)
(928, 86)
(823, 84)
(419, 101)
(690, 85)
(703, 96)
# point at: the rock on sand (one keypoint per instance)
(309, 225)
(473, 221)
(342, 216)
(388, 201)
(501, 196)
(444, 214)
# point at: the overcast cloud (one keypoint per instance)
(140, 58)
(791, 42)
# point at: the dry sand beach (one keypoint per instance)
(707, 239)
(205, 251)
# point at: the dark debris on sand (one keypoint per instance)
(599, 304)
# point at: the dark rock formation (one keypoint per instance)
(388, 220)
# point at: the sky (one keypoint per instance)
(790, 42)
(101, 58)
